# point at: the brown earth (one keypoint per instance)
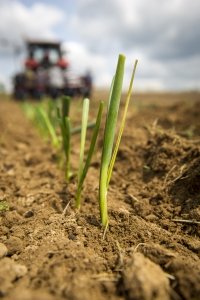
(151, 250)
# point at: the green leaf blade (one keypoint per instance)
(44, 116)
(109, 135)
(66, 101)
(85, 113)
(90, 153)
(121, 129)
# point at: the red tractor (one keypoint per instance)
(46, 73)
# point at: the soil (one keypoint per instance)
(151, 250)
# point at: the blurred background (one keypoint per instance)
(163, 35)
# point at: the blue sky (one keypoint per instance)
(163, 35)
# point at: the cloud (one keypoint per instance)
(164, 36)
(83, 60)
(19, 22)
(163, 29)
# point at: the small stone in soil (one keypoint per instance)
(71, 236)
(3, 250)
(14, 244)
(28, 214)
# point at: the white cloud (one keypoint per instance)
(164, 28)
(164, 35)
(82, 60)
(19, 21)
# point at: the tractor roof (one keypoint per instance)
(43, 43)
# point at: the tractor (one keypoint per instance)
(47, 73)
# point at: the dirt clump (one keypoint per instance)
(143, 279)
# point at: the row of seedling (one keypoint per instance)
(53, 116)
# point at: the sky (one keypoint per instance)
(163, 35)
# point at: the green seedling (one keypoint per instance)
(45, 122)
(29, 110)
(65, 128)
(66, 138)
(50, 107)
(83, 172)
(43, 115)
(4, 206)
(108, 155)
(77, 129)
(109, 134)
(86, 104)
(66, 102)
(121, 129)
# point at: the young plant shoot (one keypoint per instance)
(44, 119)
(77, 129)
(108, 155)
(84, 171)
(121, 129)
(66, 102)
(85, 112)
(109, 134)
(65, 127)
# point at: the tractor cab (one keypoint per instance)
(44, 55)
